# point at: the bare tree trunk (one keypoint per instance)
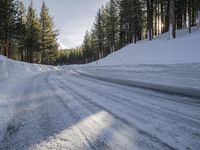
(172, 26)
(4, 49)
(150, 19)
(26, 55)
(102, 54)
(166, 29)
(155, 18)
(159, 20)
(189, 16)
(99, 55)
(9, 49)
(198, 19)
(162, 16)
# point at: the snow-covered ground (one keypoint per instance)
(129, 101)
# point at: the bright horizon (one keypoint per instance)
(72, 18)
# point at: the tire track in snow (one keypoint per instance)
(148, 145)
(94, 146)
(128, 102)
(70, 80)
(153, 138)
(191, 133)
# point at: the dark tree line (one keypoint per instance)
(25, 36)
(70, 56)
(121, 22)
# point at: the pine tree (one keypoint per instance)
(7, 25)
(86, 47)
(21, 29)
(25, 37)
(131, 21)
(111, 25)
(32, 37)
(100, 33)
(48, 45)
(93, 45)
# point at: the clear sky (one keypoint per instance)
(72, 18)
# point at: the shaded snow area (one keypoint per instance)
(141, 103)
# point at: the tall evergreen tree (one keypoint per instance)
(131, 21)
(87, 51)
(32, 37)
(93, 45)
(48, 45)
(7, 25)
(100, 33)
(112, 24)
(21, 29)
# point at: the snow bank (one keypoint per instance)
(184, 49)
(151, 85)
(2, 57)
(15, 69)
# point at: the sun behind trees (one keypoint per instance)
(121, 22)
(25, 36)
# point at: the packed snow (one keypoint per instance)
(117, 103)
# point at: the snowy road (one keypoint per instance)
(65, 110)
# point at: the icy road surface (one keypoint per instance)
(65, 110)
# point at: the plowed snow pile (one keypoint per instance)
(10, 69)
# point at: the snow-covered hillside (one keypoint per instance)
(184, 49)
